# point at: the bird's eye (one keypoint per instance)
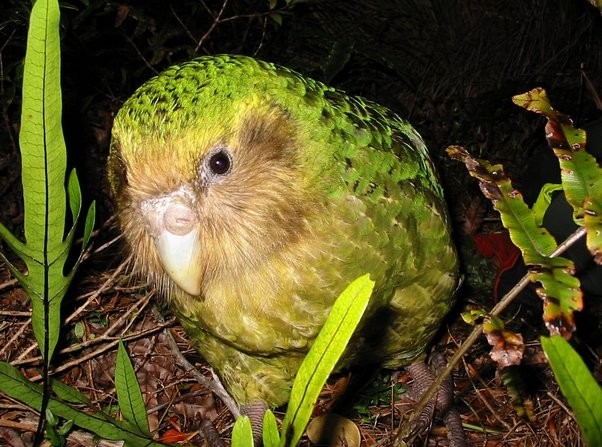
(220, 162)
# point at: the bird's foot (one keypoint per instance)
(441, 404)
(255, 411)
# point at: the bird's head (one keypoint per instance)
(209, 178)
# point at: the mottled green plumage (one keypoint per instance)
(322, 188)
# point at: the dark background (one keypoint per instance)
(448, 66)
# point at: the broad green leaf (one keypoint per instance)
(18, 387)
(242, 433)
(560, 290)
(581, 175)
(578, 386)
(128, 391)
(271, 437)
(323, 356)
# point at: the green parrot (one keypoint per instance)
(250, 196)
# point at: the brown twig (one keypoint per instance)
(212, 27)
(8, 284)
(182, 24)
(485, 402)
(146, 62)
(109, 282)
(14, 313)
(26, 324)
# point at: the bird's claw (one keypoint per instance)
(441, 403)
(255, 411)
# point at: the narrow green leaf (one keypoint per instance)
(43, 158)
(242, 432)
(593, 224)
(338, 57)
(75, 199)
(15, 245)
(69, 394)
(44, 161)
(23, 279)
(43, 152)
(271, 437)
(323, 357)
(276, 17)
(16, 386)
(128, 391)
(578, 386)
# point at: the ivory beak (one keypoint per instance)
(173, 224)
(180, 260)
